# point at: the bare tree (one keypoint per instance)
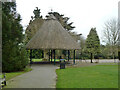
(119, 38)
(111, 35)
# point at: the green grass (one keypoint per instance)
(14, 74)
(36, 60)
(39, 60)
(99, 76)
(1, 76)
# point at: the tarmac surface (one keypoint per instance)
(42, 76)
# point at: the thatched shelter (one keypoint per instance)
(52, 36)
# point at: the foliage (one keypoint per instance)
(105, 54)
(93, 42)
(111, 34)
(37, 13)
(100, 76)
(63, 20)
(36, 54)
(82, 45)
(14, 56)
(34, 25)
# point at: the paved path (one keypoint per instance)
(42, 76)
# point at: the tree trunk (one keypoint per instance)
(114, 56)
(91, 57)
(119, 55)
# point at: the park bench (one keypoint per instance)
(3, 80)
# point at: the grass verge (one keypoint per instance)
(14, 74)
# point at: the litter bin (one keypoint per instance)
(62, 63)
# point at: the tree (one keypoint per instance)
(37, 13)
(63, 20)
(93, 43)
(119, 38)
(34, 25)
(111, 34)
(13, 54)
(82, 45)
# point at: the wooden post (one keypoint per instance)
(68, 54)
(39, 54)
(30, 56)
(54, 57)
(74, 57)
(42, 53)
(51, 55)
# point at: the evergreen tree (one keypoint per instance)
(34, 25)
(13, 55)
(37, 13)
(63, 20)
(93, 43)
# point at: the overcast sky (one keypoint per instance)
(84, 13)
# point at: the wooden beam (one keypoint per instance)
(74, 57)
(30, 56)
(68, 55)
(39, 54)
(42, 53)
(54, 57)
(51, 55)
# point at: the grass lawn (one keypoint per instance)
(14, 74)
(36, 60)
(99, 76)
(39, 60)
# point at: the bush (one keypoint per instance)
(14, 61)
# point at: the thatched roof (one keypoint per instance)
(52, 35)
